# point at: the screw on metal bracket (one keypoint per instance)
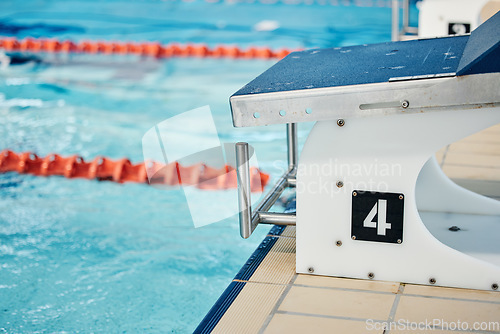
(340, 184)
(310, 269)
(405, 104)
(399, 241)
(432, 281)
(340, 122)
(454, 228)
(353, 237)
(494, 286)
(338, 243)
(371, 275)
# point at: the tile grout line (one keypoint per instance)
(472, 166)
(444, 156)
(319, 287)
(327, 316)
(457, 299)
(368, 291)
(395, 305)
(278, 304)
(345, 289)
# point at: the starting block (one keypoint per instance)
(372, 202)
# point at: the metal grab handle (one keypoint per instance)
(244, 193)
(248, 219)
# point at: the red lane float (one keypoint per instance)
(104, 169)
(150, 49)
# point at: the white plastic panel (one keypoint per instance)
(435, 16)
(385, 154)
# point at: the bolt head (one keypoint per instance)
(371, 275)
(432, 280)
(310, 270)
(494, 286)
(340, 184)
(354, 193)
(340, 122)
(338, 243)
(401, 197)
(399, 241)
(353, 237)
(405, 104)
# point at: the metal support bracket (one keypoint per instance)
(249, 219)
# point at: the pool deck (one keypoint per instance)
(267, 296)
(474, 162)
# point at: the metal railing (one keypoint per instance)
(396, 33)
(249, 219)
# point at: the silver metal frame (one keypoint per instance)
(249, 219)
(396, 33)
(401, 95)
(395, 21)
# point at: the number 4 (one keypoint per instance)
(381, 224)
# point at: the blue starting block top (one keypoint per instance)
(376, 63)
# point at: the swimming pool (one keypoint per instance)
(88, 256)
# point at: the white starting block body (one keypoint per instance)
(372, 203)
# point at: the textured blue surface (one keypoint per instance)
(482, 53)
(365, 64)
(361, 64)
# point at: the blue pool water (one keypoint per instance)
(87, 256)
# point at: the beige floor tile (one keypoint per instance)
(439, 157)
(434, 291)
(478, 160)
(284, 245)
(289, 232)
(475, 148)
(346, 283)
(249, 311)
(491, 134)
(279, 265)
(466, 172)
(433, 331)
(486, 188)
(442, 150)
(416, 309)
(340, 303)
(483, 137)
(495, 129)
(291, 324)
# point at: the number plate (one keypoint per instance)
(377, 216)
(458, 28)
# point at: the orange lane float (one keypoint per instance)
(150, 49)
(105, 169)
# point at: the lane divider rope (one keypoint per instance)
(151, 49)
(122, 170)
